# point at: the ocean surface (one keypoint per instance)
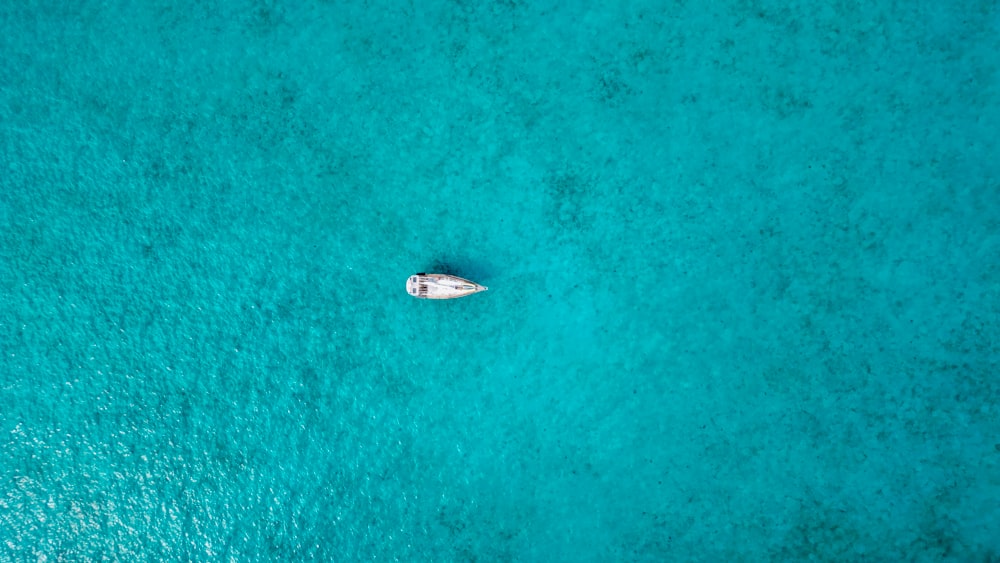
(743, 258)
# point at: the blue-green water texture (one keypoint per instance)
(743, 258)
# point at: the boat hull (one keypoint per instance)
(441, 286)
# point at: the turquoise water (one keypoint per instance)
(743, 260)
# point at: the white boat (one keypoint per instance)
(441, 286)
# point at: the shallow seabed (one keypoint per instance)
(743, 264)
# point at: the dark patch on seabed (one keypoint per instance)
(478, 270)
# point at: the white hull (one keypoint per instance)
(441, 286)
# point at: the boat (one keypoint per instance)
(441, 286)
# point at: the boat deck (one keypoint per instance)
(441, 286)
